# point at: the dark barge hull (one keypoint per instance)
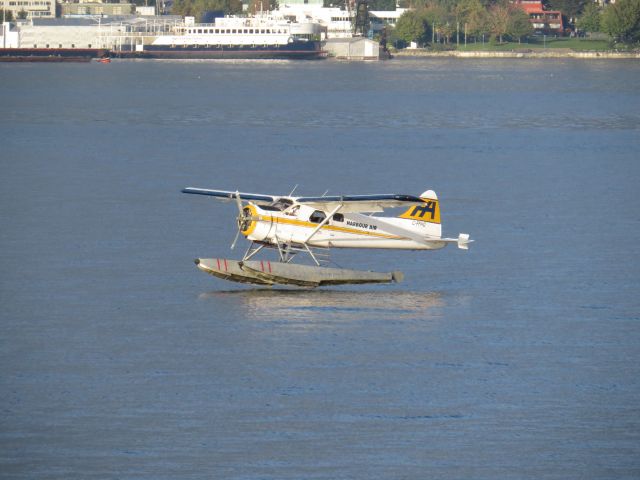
(306, 50)
(50, 54)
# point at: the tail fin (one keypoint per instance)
(429, 212)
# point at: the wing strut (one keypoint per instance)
(251, 251)
(312, 255)
(323, 223)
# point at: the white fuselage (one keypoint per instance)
(301, 224)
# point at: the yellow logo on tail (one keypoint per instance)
(429, 212)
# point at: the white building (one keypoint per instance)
(86, 32)
(338, 22)
(33, 8)
(10, 38)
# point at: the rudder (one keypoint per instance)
(429, 212)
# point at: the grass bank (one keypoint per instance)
(575, 44)
(535, 47)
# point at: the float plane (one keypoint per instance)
(314, 225)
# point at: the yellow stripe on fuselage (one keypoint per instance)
(335, 228)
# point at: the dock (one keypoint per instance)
(356, 48)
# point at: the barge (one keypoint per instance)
(50, 54)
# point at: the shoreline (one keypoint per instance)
(549, 53)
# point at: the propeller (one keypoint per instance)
(243, 220)
(235, 239)
(239, 219)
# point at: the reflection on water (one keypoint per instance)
(251, 62)
(317, 305)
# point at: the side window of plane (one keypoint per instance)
(338, 217)
(317, 216)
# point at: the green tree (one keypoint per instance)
(382, 5)
(441, 19)
(196, 8)
(570, 8)
(499, 21)
(519, 25)
(465, 8)
(256, 6)
(589, 21)
(410, 27)
(507, 19)
(476, 18)
(7, 15)
(414, 4)
(621, 20)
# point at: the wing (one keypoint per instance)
(226, 195)
(361, 203)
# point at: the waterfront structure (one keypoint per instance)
(32, 8)
(172, 37)
(66, 33)
(338, 22)
(355, 48)
(292, 32)
(10, 37)
(338, 25)
(86, 32)
(262, 36)
(548, 22)
(97, 8)
(305, 3)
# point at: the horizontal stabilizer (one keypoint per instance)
(463, 241)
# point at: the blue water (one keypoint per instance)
(516, 359)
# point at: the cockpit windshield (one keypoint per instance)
(282, 204)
